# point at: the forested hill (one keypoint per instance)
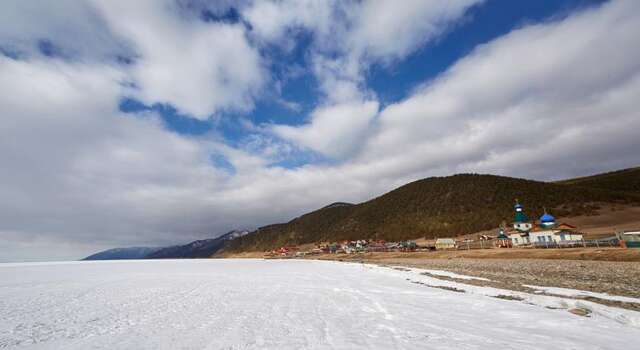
(627, 180)
(434, 207)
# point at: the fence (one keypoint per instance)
(598, 243)
(482, 244)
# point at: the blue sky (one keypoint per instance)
(160, 122)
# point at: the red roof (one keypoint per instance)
(564, 226)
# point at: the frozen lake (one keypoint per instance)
(280, 304)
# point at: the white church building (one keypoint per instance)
(525, 232)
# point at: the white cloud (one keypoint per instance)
(335, 131)
(200, 68)
(74, 27)
(384, 30)
(523, 91)
(349, 36)
(73, 166)
(347, 39)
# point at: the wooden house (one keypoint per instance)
(445, 243)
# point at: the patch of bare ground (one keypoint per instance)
(609, 219)
(451, 289)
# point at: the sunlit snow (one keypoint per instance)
(281, 304)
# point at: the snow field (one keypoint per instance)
(283, 304)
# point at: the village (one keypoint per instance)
(523, 233)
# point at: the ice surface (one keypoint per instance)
(583, 293)
(454, 275)
(281, 304)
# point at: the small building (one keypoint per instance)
(377, 246)
(445, 243)
(565, 232)
(408, 246)
(392, 246)
(550, 232)
(630, 239)
(502, 240)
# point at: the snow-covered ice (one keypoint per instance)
(583, 293)
(283, 304)
(454, 275)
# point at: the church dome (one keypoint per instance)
(547, 218)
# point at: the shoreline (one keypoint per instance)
(613, 278)
(610, 271)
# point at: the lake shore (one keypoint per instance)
(613, 271)
(620, 278)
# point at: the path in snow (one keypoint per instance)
(279, 304)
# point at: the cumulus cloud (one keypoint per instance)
(350, 36)
(334, 131)
(545, 101)
(171, 55)
(74, 28)
(535, 87)
(200, 68)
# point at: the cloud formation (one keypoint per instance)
(547, 100)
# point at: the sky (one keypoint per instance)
(149, 123)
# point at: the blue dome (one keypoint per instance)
(547, 218)
(518, 206)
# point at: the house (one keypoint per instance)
(630, 239)
(502, 240)
(392, 245)
(565, 232)
(445, 243)
(550, 232)
(283, 251)
(377, 246)
(408, 246)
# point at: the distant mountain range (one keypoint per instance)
(446, 206)
(204, 248)
(123, 253)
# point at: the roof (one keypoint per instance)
(543, 229)
(445, 241)
(547, 218)
(564, 226)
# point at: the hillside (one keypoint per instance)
(434, 207)
(627, 180)
(197, 249)
(122, 253)
(203, 248)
